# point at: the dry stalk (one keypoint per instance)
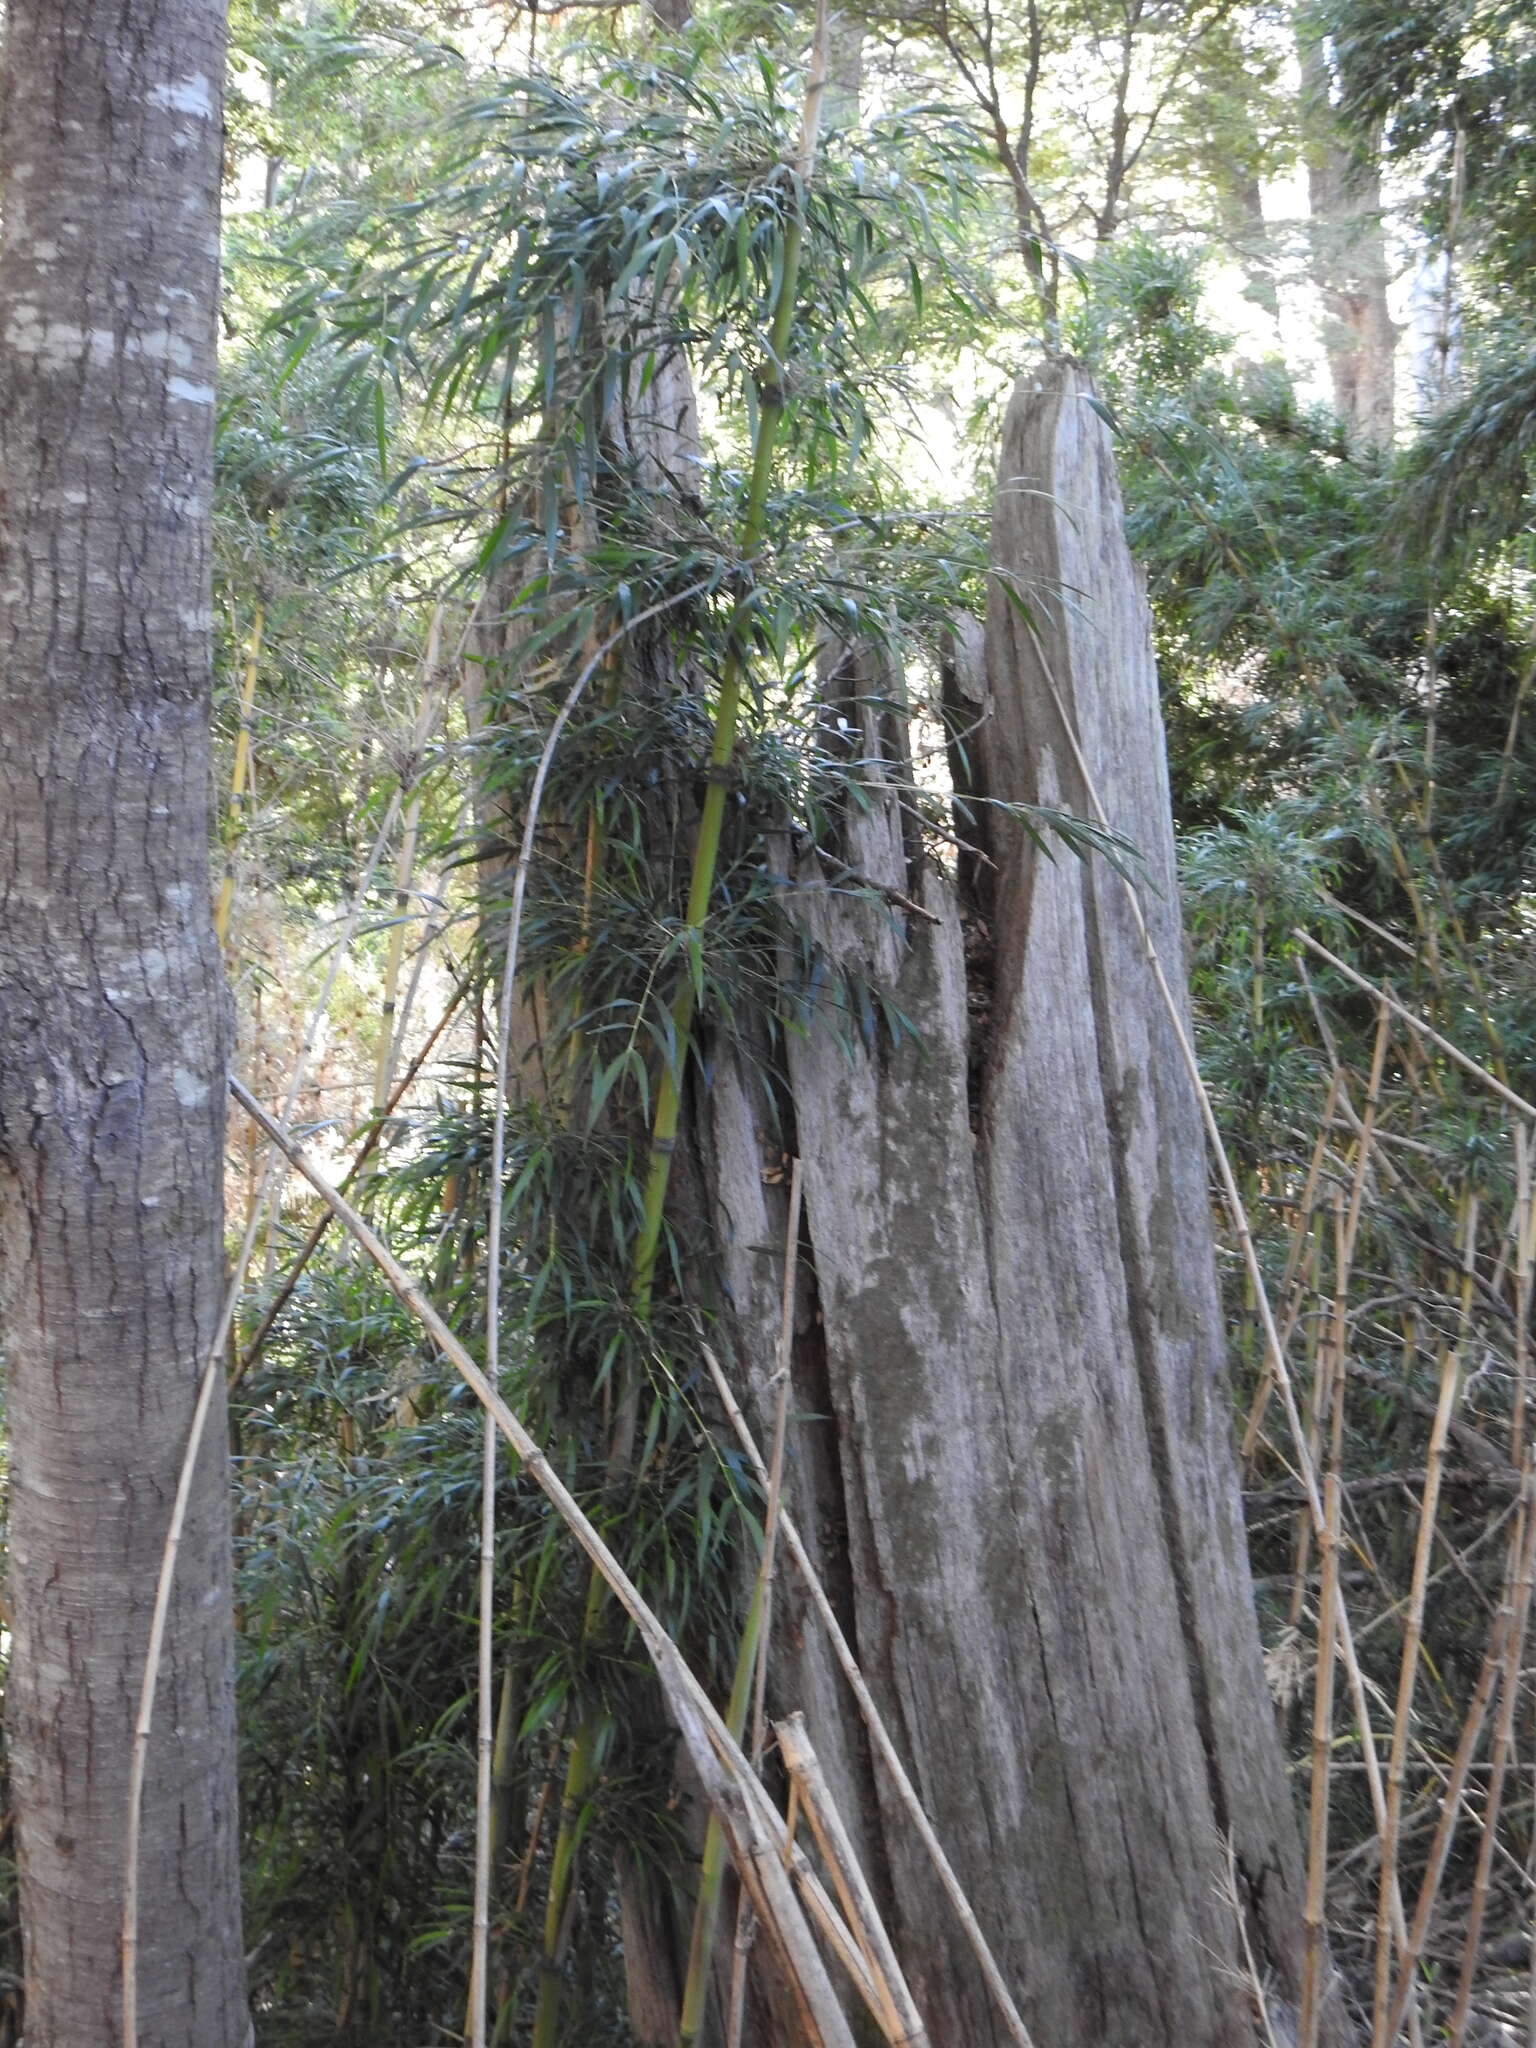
(741, 1949)
(536, 1826)
(1413, 1629)
(1507, 757)
(1525, 1264)
(1346, 1231)
(364, 1153)
(1314, 1955)
(1427, 1031)
(1291, 1283)
(1327, 1392)
(1451, 1798)
(1503, 1742)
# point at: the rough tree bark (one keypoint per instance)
(1349, 257)
(114, 1029)
(1016, 1348)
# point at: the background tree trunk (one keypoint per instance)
(1349, 258)
(114, 1029)
(1015, 1353)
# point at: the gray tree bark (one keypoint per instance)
(114, 1029)
(1015, 1348)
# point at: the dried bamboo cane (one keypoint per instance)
(1346, 1230)
(1525, 1266)
(536, 1827)
(753, 1826)
(1503, 1742)
(1314, 1953)
(1507, 761)
(1326, 1380)
(364, 1153)
(1455, 1788)
(1523, 1223)
(1290, 1280)
(901, 2022)
(741, 1949)
(1450, 1376)
(1452, 1051)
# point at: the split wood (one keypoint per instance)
(1306, 1470)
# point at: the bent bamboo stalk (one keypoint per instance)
(752, 1824)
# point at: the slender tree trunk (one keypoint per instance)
(1013, 1370)
(845, 71)
(1349, 258)
(114, 1026)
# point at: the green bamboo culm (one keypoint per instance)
(712, 815)
(580, 1776)
(772, 402)
(770, 416)
(706, 854)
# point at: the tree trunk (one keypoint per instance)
(1349, 258)
(114, 1026)
(1240, 213)
(1016, 1352)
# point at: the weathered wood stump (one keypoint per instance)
(1016, 1346)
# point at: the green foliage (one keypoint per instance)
(460, 332)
